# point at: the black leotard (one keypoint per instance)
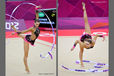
(28, 39)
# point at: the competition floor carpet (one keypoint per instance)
(37, 65)
(67, 57)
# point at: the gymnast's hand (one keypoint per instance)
(12, 33)
(103, 38)
(82, 65)
(72, 49)
(18, 32)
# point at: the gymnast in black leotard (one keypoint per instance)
(29, 39)
(86, 40)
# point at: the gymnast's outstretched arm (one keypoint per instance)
(76, 42)
(81, 56)
(37, 15)
(28, 30)
(81, 51)
(96, 36)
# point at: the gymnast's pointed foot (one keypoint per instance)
(12, 26)
(38, 7)
(83, 4)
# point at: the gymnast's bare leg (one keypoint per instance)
(26, 50)
(87, 26)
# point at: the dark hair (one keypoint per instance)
(89, 40)
(90, 47)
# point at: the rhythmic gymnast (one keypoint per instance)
(86, 40)
(29, 39)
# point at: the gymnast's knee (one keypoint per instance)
(25, 56)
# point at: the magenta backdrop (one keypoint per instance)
(27, 12)
(70, 14)
(73, 8)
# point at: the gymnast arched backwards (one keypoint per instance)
(86, 40)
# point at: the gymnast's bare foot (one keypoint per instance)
(12, 26)
(83, 4)
(38, 6)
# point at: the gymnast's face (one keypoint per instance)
(88, 45)
(37, 24)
